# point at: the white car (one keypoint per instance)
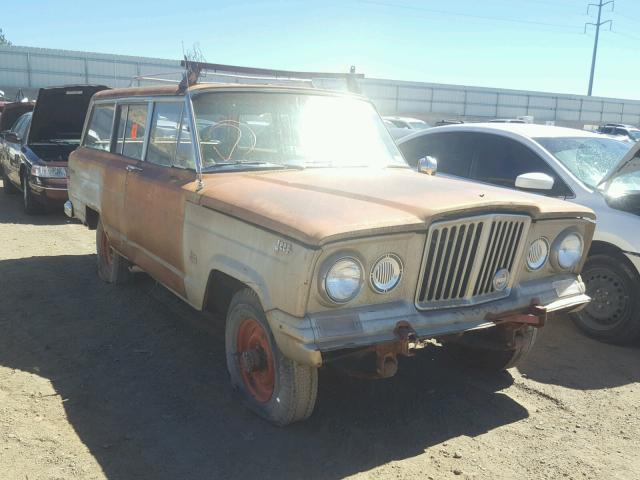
(587, 168)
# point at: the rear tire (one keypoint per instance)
(31, 206)
(112, 267)
(8, 187)
(497, 359)
(613, 315)
(275, 387)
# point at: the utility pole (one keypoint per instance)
(598, 24)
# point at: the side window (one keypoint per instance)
(164, 133)
(185, 155)
(132, 124)
(453, 150)
(17, 126)
(21, 127)
(500, 160)
(98, 134)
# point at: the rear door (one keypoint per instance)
(156, 191)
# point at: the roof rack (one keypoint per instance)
(272, 74)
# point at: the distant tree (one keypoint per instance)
(3, 39)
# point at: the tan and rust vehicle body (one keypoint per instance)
(277, 231)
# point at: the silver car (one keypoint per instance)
(587, 168)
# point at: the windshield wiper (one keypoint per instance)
(235, 163)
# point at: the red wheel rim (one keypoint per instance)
(255, 360)
(105, 250)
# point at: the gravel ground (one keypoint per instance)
(103, 382)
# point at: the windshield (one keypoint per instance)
(588, 158)
(292, 130)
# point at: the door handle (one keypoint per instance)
(133, 168)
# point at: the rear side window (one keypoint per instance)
(132, 125)
(98, 135)
(454, 151)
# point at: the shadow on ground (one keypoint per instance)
(144, 384)
(564, 356)
(11, 211)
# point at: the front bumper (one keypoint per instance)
(304, 339)
(49, 191)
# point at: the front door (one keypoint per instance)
(14, 148)
(156, 191)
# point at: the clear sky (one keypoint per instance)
(520, 44)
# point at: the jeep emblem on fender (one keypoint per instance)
(501, 279)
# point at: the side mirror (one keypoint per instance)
(428, 165)
(535, 181)
(12, 137)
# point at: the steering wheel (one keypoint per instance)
(236, 128)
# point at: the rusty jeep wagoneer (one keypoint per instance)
(291, 211)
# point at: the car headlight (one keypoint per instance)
(48, 172)
(537, 254)
(343, 279)
(386, 273)
(568, 250)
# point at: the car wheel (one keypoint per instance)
(501, 355)
(613, 315)
(275, 387)
(112, 267)
(8, 187)
(30, 205)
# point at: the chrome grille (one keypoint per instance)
(462, 257)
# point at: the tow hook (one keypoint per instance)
(406, 344)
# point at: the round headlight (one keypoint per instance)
(538, 254)
(343, 280)
(569, 251)
(386, 273)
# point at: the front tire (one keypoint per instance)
(613, 315)
(112, 267)
(8, 187)
(502, 353)
(31, 206)
(275, 387)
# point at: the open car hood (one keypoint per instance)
(11, 113)
(629, 163)
(59, 112)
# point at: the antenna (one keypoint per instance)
(193, 61)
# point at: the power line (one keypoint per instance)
(467, 15)
(597, 24)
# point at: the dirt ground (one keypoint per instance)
(103, 382)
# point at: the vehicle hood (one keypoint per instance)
(316, 206)
(59, 112)
(11, 113)
(629, 163)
